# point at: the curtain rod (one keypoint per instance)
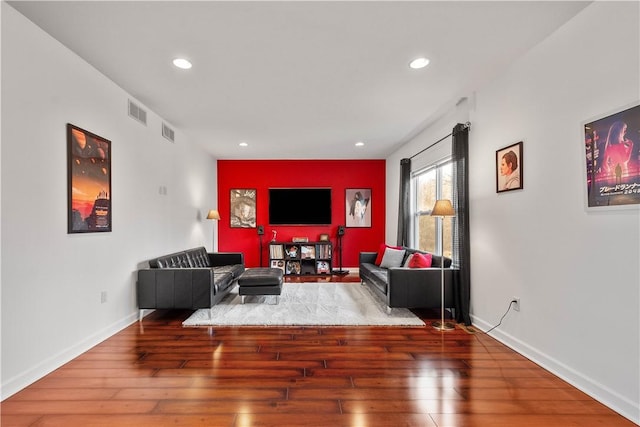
(466, 126)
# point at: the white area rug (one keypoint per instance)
(306, 304)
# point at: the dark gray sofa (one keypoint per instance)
(190, 279)
(403, 287)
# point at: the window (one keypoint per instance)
(428, 185)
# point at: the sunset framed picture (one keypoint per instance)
(88, 182)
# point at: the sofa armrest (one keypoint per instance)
(369, 257)
(218, 259)
(175, 288)
(419, 287)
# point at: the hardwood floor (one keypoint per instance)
(157, 373)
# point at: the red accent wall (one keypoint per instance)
(335, 174)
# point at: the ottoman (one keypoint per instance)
(260, 281)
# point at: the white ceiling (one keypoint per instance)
(299, 79)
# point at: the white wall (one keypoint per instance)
(51, 280)
(575, 270)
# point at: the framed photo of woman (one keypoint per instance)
(509, 168)
(358, 207)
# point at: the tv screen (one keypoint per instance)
(300, 206)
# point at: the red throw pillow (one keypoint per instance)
(383, 246)
(419, 260)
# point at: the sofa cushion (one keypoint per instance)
(392, 258)
(381, 250)
(235, 270)
(418, 260)
(196, 257)
(407, 260)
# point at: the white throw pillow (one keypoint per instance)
(392, 258)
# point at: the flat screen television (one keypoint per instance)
(299, 206)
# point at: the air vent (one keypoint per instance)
(167, 132)
(137, 113)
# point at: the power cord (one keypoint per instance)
(499, 323)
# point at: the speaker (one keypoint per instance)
(341, 230)
(260, 230)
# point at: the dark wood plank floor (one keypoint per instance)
(158, 373)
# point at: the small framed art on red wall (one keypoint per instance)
(358, 207)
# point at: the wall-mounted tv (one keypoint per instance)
(300, 206)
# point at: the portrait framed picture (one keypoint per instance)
(358, 207)
(88, 182)
(243, 207)
(509, 162)
(612, 159)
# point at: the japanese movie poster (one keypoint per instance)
(612, 147)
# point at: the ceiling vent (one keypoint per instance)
(137, 113)
(168, 133)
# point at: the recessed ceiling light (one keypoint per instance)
(243, 144)
(359, 144)
(419, 63)
(182, 63)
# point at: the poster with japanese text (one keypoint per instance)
(612, 148)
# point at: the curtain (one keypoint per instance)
(404, 214)
(461, 246)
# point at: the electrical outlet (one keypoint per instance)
(103, 297)
(516, 303)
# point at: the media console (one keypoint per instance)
(295, 258)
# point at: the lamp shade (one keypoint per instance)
(443, 208)
(213, 214)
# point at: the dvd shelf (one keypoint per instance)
(301, 258)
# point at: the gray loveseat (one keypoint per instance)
(404, 287)
(190, 279)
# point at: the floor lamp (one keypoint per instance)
(442, 209)
(215, 215)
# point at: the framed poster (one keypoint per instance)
(88, 181)
(358, 207)
(509, 168)
(243, 208)
(612, 153)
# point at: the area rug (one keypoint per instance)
(332, 304)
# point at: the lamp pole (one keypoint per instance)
(442, 209)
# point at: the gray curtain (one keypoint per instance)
(461, 246)
(404, 215)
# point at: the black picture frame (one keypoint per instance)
(509, 167)
(89, 196)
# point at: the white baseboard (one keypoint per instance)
(600, 392)
(28, 377)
